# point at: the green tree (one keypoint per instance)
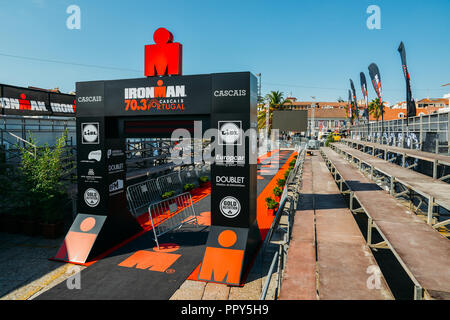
(276, 101)
(346, 107)
(374, 108)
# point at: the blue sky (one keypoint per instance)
(303, 48)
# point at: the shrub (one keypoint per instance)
(188, 187)
(281, 182)
(286, 174)
(292, 163)
(271, 204)
(168, 194)
(329, 139)
(277, 191)
(41, 170)
(203, 179)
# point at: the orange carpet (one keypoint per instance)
(264, 220)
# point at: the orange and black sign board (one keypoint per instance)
(108, 112)
(81, 238)
(224, 260)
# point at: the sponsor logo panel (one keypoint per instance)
(230, 132)
(230, 207)
(90, 133)
(230, 181)
(116, 187)
(92, 197)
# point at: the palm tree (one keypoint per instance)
(351, 107)
(276, 101)
(374, 108)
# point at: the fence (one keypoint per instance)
(189, 174)
(45, 130)
(170, 182)
(280, 256)
(204, 170)
(140, 195)
(427, 133)
(171, 214)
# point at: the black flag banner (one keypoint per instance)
(376, 81)
(350, 107)
(410, 103)
(362, 77)
(354, 99)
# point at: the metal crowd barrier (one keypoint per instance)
(141, 194)
(189, 174)
(204, 170)
(172, 213)
(281, 254)
(170, 182)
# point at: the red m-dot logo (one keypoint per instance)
(163, 57)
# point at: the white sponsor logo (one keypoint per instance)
(230, 93)
(15, 104)
(230, 132)
(90, 133)
(115, 167)
(225, 158)
(116, 185)
(90, 99)
(230, 207)
(114, 153)
(95, 155)
(91, 172)
(91, 197)
(61, 107)
(230, 180)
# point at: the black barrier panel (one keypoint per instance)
(21, 101)
(290, 120)
(33, 102)
(62, 104)
(110, 111)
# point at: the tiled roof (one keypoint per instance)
(327, 113)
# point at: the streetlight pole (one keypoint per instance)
(260, 99)
(312, 116)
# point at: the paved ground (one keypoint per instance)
(26, 272)
(25, 268)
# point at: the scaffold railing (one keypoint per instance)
(427, 132)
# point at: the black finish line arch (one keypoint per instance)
(106, 112)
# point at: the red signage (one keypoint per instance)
(163, 57)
